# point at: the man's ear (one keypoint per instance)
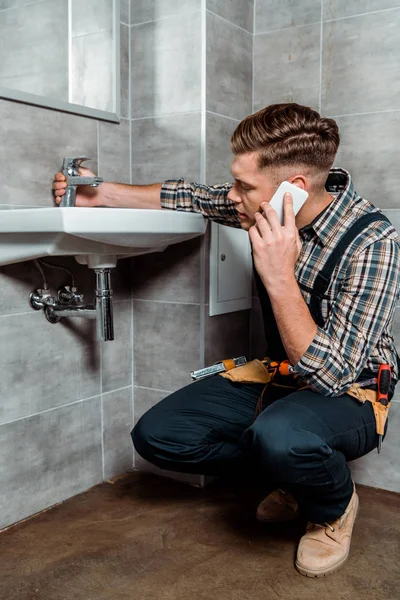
(300, 181)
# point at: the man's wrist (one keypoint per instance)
(281, 286)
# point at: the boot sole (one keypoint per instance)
(311, 573)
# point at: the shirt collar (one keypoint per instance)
(327, 223)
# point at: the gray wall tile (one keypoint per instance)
(272, 15)
(166, 70)
(69, 352)
(116, 356)
(151, 10)
(169, 275)
(226, 335)
(125, 72)
(40, 64)
(114, 142)
(92, 69)
(118, 423)
(372, 164)
(334, 9)
(360, 64)
(37, 139)
(166, 148)
(382, 470)
(218, 148)
(240, 12)
(287, 67)
(229, 68)
(145, 399)
(4, 4)
(91, 16)
(48, 458)
(124, 11)
(167, 344)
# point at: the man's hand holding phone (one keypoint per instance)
(275, 240)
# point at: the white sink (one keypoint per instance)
(95, 236)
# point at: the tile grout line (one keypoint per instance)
(360, 114)
(385, 10)
(143, 387)
(372, 12)
(228, 21)
(21, 5)
(211, 112)
(48, 410)
(188, 13)
(174, 16)
(167, 302)
(174, 114)
(286, 28)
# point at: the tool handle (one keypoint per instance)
(384, 379)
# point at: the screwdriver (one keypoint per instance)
(383, 385)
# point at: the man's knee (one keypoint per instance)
(144, 434)
(285, 448)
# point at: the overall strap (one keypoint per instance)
(324, 277)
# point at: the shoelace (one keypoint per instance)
(323, 525)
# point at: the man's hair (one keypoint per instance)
(286, 135)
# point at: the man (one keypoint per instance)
(300, 438)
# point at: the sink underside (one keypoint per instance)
(31, 233)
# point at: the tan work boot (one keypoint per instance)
(277, 507)
(325, 548)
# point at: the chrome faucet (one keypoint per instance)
(70, 169)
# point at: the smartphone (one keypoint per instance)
(299, 197)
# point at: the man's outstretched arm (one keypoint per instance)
(210, 201)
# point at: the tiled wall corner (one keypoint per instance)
(117, 425)
(152, 10)
(218, 150)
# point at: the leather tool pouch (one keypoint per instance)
(380, 411)
(252, 372)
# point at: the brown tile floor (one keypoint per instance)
(149, 538)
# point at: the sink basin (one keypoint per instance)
(92, 233)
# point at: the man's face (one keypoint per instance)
(251, 187)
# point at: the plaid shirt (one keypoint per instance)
(359, 310)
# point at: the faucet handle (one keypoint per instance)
(71, 165)
(70, 169)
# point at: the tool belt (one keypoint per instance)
(274, 373)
